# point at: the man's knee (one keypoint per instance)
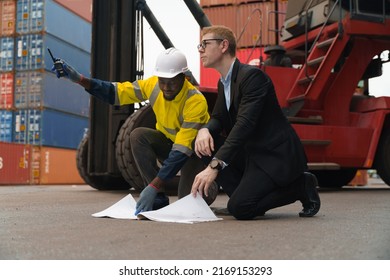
(242, 210)
(137, 133)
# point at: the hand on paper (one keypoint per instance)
(203, 181)
(146, 200)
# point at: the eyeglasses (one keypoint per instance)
(205, 42)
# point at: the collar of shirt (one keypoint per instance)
(226, 85)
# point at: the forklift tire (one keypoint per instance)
(382, 157)
(104, 182)
(143, 117)
(334, 178)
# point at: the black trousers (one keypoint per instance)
(150, 148)
(251, 191)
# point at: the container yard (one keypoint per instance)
(65, 155)
(42, 118)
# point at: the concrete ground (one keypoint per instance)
(55, 222)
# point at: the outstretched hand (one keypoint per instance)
(62, 69)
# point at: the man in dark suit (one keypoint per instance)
(255, 154)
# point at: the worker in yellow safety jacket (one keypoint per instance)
(180, 109)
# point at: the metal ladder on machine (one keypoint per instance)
(313, 77)
(322, 57)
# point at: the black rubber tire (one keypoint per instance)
(143, 117)
(334, 178)
(105, 182)
(382, 157)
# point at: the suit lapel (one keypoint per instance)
(233, 85)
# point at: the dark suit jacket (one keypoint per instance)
(256, 123)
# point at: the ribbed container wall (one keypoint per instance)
(6, 90)
(15, 167)
(253, 23)
(26, 164)
(42, 89)
(7, 19)
(211, 3)
(32, 54)
(81, 8)
(54, 166)
(49, 128)
(7, 53)
(36, 16)
(6, 125)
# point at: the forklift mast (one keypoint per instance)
(113, 59)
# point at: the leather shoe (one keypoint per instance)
(310, 200)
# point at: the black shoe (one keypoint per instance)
(311, 200)
(160, 201)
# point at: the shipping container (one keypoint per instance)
(212, 3)
(208, 3)
(37, 16)
(32, 54)
(14, 164)
(6, 124)
(6, 90)
(7, 17)
(52, 166)
(6, 54)
(81, 8)
(49, 128)
(223, 15)
(42, 89)
(253, 23)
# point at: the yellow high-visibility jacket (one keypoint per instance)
(178, 119)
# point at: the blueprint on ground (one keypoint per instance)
(187, 210)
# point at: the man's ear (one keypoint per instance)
(225, 46)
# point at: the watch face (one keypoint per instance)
(214, 164)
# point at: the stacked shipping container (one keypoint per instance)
(255, 23)
(37, 109)
(27, 164)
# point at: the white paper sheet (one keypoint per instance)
(187, 210)
(123, 209)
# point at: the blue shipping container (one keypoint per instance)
(6, 123)
(49, 128)
(32, 54)
(42, 89)
(33, 16)
(6, 54)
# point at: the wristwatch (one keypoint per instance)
(216, 164)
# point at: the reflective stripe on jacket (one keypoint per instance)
(178, 119)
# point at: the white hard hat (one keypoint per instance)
(170, 63)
